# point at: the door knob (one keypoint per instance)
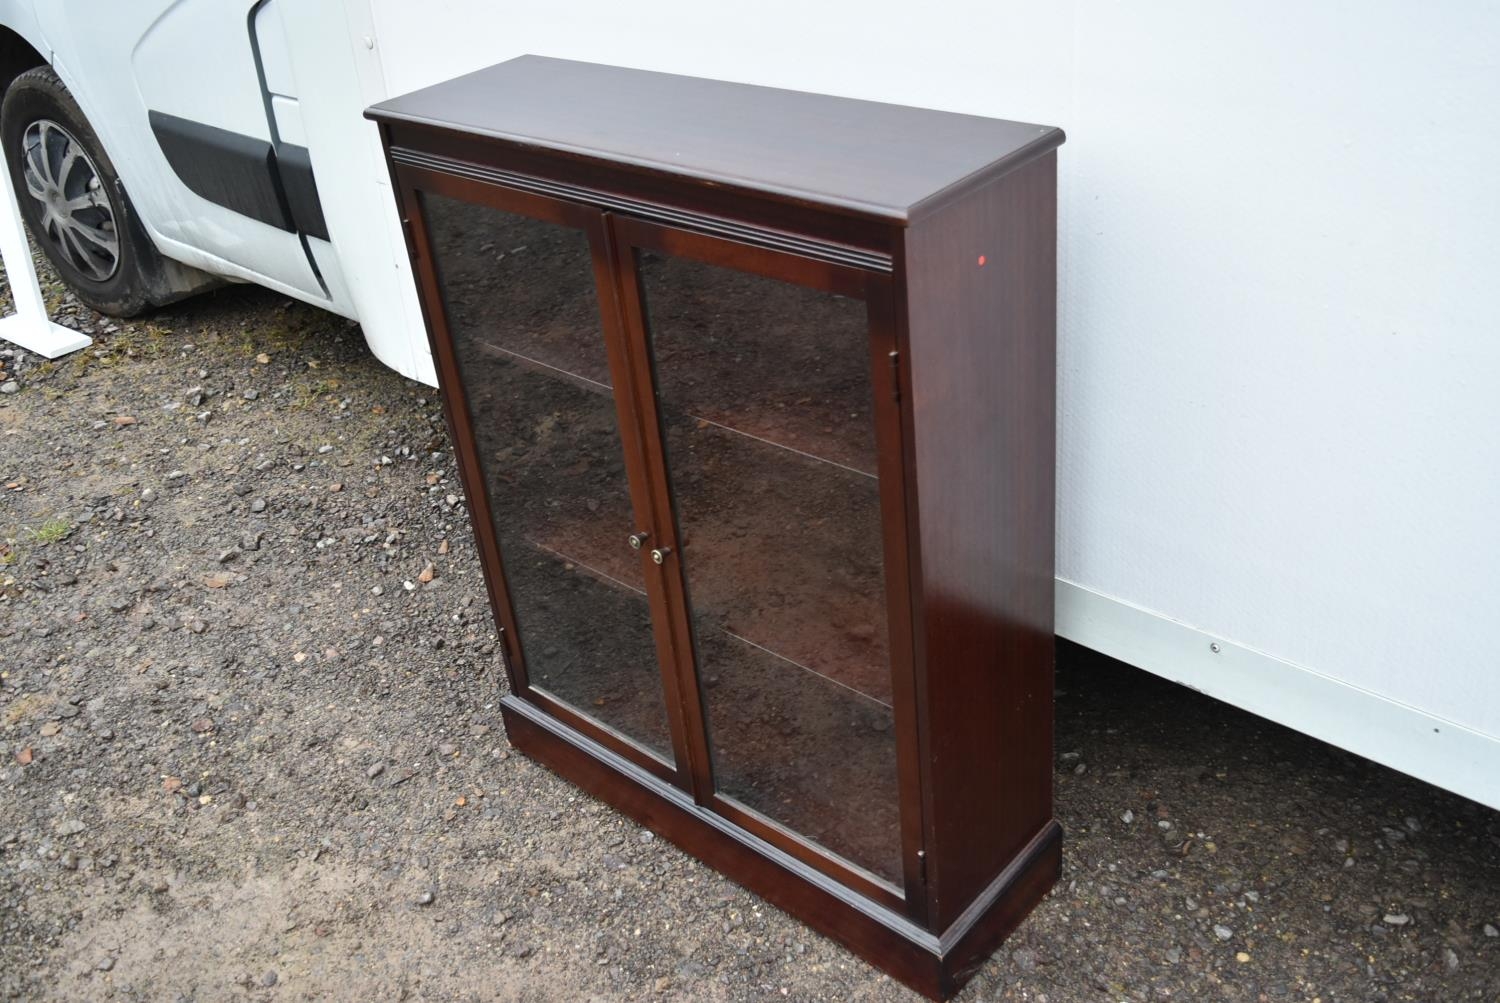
(638, 540)
(660, 554)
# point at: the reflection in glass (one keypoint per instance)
(764, 393)
(523, 314)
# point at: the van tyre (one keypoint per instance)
(72, 199)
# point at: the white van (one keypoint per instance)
(1279, 466)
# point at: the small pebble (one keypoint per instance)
(105, 964)
(1396, 919)
(426, 898)
(268, 980)
(1222, 932)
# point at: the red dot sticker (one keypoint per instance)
(981, 261)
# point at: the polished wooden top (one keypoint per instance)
(875, 159)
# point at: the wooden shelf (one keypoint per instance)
(770, 521)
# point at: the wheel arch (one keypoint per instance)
(17, 55)
(164, 279)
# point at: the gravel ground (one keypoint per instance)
(251, 748)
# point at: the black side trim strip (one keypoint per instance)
(227, 168)
(295, 166)
(776, 240)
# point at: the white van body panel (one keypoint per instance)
(1278, 240)
(188, 58)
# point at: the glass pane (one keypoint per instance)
(764, 393)
(524, 317)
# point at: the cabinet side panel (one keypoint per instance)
(981, 318)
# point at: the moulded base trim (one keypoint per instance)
(1393, 734)
(933, 965)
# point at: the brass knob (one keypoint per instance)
(638, 540)
(660, 554)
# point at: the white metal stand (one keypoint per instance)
(29, 326)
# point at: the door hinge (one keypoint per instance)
(922, 865)
(411, 242)
(895, 358)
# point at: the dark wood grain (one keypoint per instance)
(983, 376)
(787, 267)
(644, 193)
(887, 364)
(681, 672)
(946, 226)
(870, 158)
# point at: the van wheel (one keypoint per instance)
(72, 199)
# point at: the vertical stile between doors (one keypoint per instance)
(636, 441)
(682, 670)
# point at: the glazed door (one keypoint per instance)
(772, 382)
(526, 335)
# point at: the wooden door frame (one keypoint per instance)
(876, 288)
(411, 182)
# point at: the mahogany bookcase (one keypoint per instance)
(752, 393)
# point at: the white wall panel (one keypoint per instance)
(1279, 304)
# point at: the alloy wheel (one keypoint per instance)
(76, 217)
